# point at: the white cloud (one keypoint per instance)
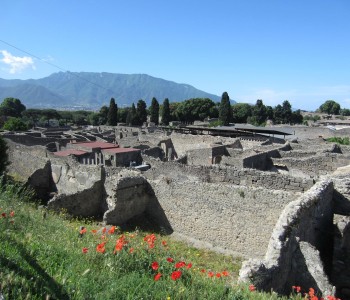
(16, 64)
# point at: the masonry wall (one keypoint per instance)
(300, 249)
(316, 165)
(238, 220)
(218, 174)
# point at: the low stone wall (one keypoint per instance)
(315, 166)
(217, 174)
(30, 140)
(300, 248)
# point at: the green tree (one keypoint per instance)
(154, 111)
(345, 112)
(241, 112)
(141, 112)
(12, 107)
(286, 112)
(3, 156)
(122, 114)
(278, 114)
(15, 124)
(112, 117)
(31, 116)
(166, 112)
(225, 111)
(196, 109)
(330, 107)
(259, 113)
(297, 117)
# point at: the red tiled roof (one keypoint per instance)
(69, 152)
(91, 145)
(120, 150)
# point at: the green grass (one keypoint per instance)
(41, 258)
(339, 140)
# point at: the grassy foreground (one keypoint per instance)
(47, 256)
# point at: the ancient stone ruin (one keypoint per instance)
(281, 205)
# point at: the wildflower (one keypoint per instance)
(93, 231)
(176, 275)
(164, 243)
(157, 276)
(131, 250)
(12, 213)
(218, 275)
(104, 230)
(85, 250)
(111, 230)
(203, 271)
(180, 264)
(296, 288)
(82, 231)
(225, 273)
(210, 274)
(252, 288)
(189, 266)
(101, 247)
(150, 239)
(169, 259)
(3, 215)
(155, 265)
(120, 243)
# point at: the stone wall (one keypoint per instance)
(239, 177)
(300, 249)
(316, 165)
(30, 140)
(227, 218)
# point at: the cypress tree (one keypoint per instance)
(112, 117)
(154, 110)
(141, 112)
(225, 110)
(166, 112)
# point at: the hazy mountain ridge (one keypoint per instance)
(93, 90)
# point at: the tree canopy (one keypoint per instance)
(330, 107)
(195, 109)
(225, 110)
(3, 155)
(112, 117)
(12, 107)
(154, 111)
(166, 112)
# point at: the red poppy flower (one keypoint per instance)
(169, 259)
(176, 275)
(101, 247)
(252, 288)
(189, 266)
(180, 264)
(93, 231)
(83, 231)
(210, 274)
(203, 271)
(12, 213)
(131, 250)
(157, 277)
(3, 215)
(111, 230)
(225, 273)
(104, 230)
(85, 250)
(218, 275)
(164, 243)
(155, 265)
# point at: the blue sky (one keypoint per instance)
(274, 50)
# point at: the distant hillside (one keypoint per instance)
(92, 90)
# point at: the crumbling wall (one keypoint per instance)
(238, 220)
(300, 249)
(316, 165)
(217, 174)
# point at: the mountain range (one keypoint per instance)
(87, 90)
